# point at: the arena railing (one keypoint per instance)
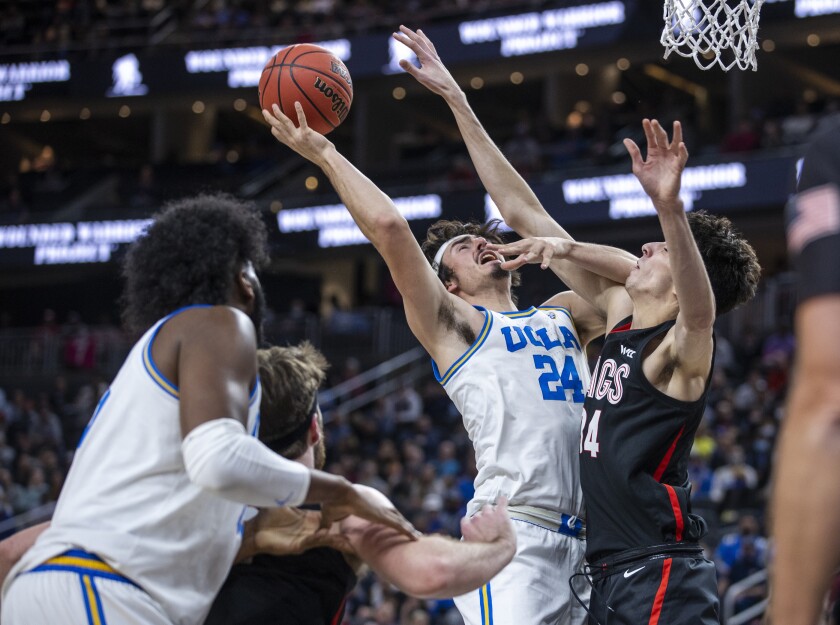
(383, 379)
(730, 617)
(27, 519)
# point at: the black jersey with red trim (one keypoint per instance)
(634, 448)
(306, 589)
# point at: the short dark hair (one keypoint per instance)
(290, 378)
(190, 255)
(442, 231)
(730, 260)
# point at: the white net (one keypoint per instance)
(713, 32)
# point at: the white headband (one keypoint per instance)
(442, 249)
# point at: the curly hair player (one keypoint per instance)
(649, 387)
(150, 517)
(647, 397)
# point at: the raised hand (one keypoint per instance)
(532, 250)
(432, 73)
(288, 531)
(490, 524)
(661, 172)
(301, 138)
(373, 507)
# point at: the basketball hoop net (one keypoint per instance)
(713, 32)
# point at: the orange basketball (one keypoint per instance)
(313, 76)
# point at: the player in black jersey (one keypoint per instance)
(648, 392)
(806, 499)
(310, 588)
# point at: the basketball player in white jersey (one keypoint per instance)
(518, 378)
(150, 516)
(312, 587)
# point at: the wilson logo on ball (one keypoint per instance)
(339, 106)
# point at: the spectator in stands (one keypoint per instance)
(14, 210)
(749, 392)
(406, 407)
(700, 475)
(79, 344)
(145, 192)
(734, 483)
(523, 151)
(447, 464)
(29, 496)
(747, 562)
(731, 544)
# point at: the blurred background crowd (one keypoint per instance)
(73, 154)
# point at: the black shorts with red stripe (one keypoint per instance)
(666, 584)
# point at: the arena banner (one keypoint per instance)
(593, 197)
(164, 71)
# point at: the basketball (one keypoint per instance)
(313, 76)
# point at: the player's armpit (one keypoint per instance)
(589, 322)
(681, 365)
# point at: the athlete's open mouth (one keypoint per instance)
(487, 257)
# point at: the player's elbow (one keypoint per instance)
(435, 578)
(207, 453)
(386, 225)
(209, 474)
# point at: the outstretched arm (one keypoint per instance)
(516, 201)
(606, 299)
(438, 566)
(381, 222)
(660, 175)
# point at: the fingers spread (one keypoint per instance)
(634, 151)
(516, 263)
(661, 135)
(678, 135)
(650, 136)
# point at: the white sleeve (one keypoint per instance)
(219, 456)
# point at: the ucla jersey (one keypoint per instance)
(520, 389)
(128, 499)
